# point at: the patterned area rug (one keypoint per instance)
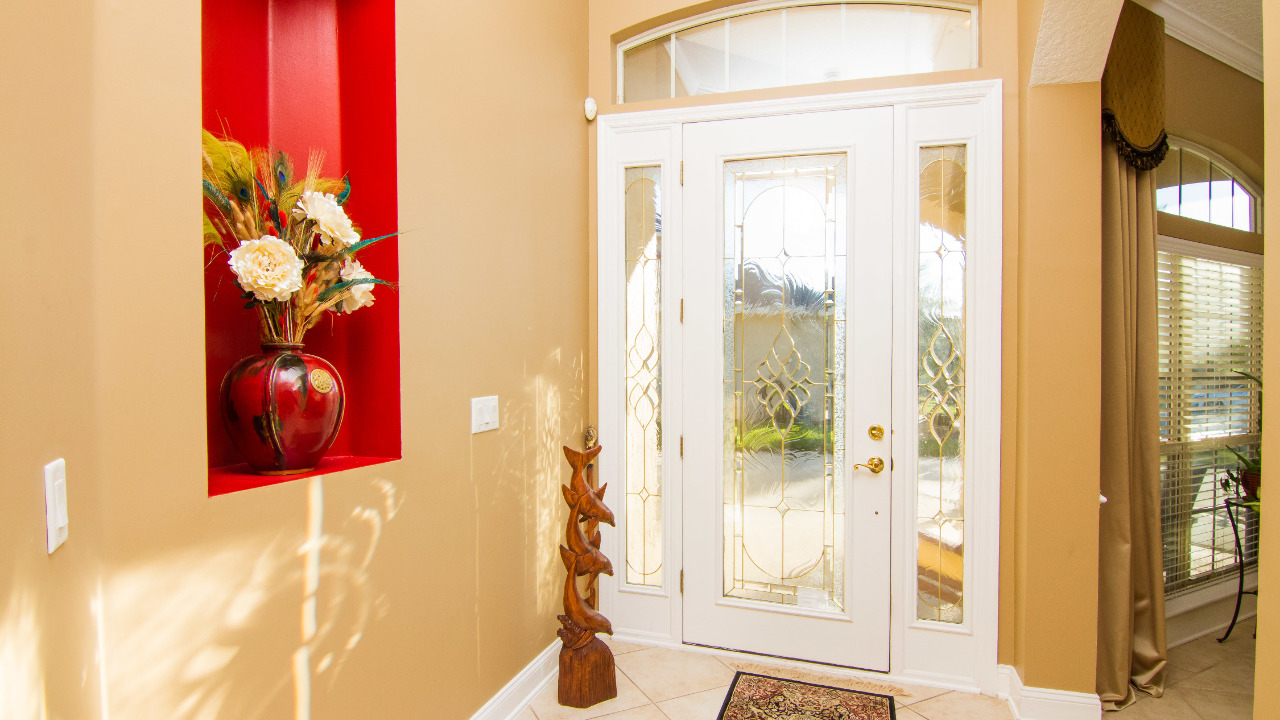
(758, 697)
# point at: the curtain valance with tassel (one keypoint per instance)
(1133, 88)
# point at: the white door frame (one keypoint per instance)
(957, 656)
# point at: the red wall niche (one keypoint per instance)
(297, 76)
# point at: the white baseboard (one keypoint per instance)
(1207, 611)
(1029, 703)
(516, 695)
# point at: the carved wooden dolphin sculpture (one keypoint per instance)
(590, 559)
(578, 487)
(574, 606)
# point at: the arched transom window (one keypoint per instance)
(1197, 183)
(777, 44)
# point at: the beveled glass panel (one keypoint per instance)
(700, 60)
(1242, 214)
(938, 39)
(1169, 182)
(1195, 186)
(643, 431)
(803, 43)
(1220, 202)
(784, 380)
(648, 70)
(941, 373)
(756, 52)
(815, 45)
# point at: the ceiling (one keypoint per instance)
(1229, 30)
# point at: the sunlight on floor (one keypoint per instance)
(667, 684)
(1207, 680)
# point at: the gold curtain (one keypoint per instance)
(1133, 88)
(1132, 652)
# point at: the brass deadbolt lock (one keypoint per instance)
(875, 432)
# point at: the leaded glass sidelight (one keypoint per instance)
(784, 387)
(941, 373)
(643, 218)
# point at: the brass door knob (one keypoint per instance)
(875, 432)
(875, 465)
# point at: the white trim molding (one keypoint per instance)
(516, 695)
(934, 653)
(1031, 703)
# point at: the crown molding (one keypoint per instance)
(1194, 31)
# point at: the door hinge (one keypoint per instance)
(681, 172)
(681, 446)
(681, 311)
(681, 582)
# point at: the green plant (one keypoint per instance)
(1247, 464)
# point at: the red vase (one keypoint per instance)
(282, 409)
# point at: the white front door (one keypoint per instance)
(787, 282)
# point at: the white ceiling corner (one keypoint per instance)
(1227, 30)
(1074, 39)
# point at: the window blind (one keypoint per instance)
(1210, 330)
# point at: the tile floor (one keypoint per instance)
(665, 684)
(1207, 680)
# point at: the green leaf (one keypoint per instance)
(353, 249)
(1250, 376)
(336, 288)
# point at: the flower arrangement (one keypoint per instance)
(294, 253)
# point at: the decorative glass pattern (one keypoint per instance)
(643, 219)
(796, 45)
(784, 384)
(941, 373)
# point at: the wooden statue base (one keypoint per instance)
(587, 676)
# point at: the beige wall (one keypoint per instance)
(1267, 694)
(197, 600)
(200, 597)
(1215, 105)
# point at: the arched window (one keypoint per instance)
(777, 44)
(1197, 183)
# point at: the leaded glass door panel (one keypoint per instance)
(788, 260)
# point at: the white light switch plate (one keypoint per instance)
(484, 414)
(55, 503)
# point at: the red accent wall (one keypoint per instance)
(303, 75)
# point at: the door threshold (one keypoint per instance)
(871, 676)
(798, 661)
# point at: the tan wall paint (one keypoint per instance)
(1057, 476)
(46, 354)
(200, 598)
(1266, 701)
(1215, 105)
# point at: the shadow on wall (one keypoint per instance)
(531, 466)
(186, 636)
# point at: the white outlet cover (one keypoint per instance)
(55, 503)
(484, 414)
